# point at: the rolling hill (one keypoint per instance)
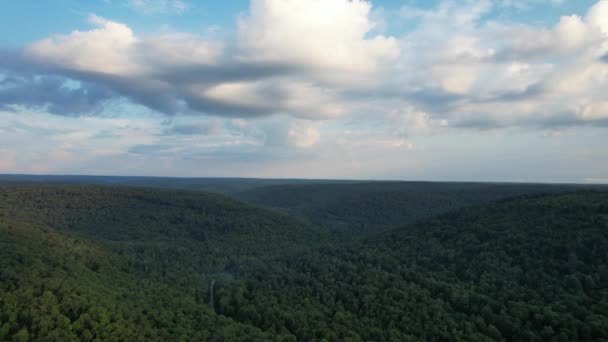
(528, 269)
(80, 263)
(369, 207)
(225, 186)
(126, 263)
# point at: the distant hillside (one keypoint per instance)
(532, 269)
(369, 206)
(347, 208)
(226, 186)
(85, 263)
(123, 213)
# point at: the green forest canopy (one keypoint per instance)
(109, 263)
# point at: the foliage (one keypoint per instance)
(96, 262)
(528, 269)
(119, 263)
(361, 208)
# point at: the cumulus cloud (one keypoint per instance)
(113, 49)
(572, 34)
(507, 74)
(313, 34)
(185, 73)
(597, 16)
(105, 49)
(322, 60)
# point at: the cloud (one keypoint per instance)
(178, 73)
(105, 49)
(280, 133)
(45, 143)
(570, 35)
(148, 149)
(277, 96)
(54, 94)
(304, 137)
(323, 60)
(597, 16)
(179, 49)
(597, 110)
(409, 121)
(8, 161)
(207, 128)
(313, 34)
(505, 74)
(112, 49)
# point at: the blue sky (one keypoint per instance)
(28, 20)
(479, 90)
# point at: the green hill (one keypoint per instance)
(122, 213)
(123, 263)
(101, 262)
(367, 207)
(225, 186)
(524, 270)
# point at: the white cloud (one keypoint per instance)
(598, 16)
(113, 48)
(313, 34)
(105, 49)
(506, 74)
(594, 110)
(319, 59)
(313, 83)
(180, 49)
(571, 34)
(408, 121)
(304, 136)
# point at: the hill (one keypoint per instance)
(79, 263)
(368, 207)
(225, 186)
(347, 208)
(525, 269)
(124, 263)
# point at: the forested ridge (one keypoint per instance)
(527, 269)
(134, 262)
(367, 207)
(225, 186)
(117, 263)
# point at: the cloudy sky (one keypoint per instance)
(480, 90)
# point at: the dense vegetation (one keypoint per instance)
(117, 263)
(102, 262)
(531, 269)
(368, 207)
(225, 186)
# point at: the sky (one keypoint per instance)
(473, 90)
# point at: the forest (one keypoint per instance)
(86, 260)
